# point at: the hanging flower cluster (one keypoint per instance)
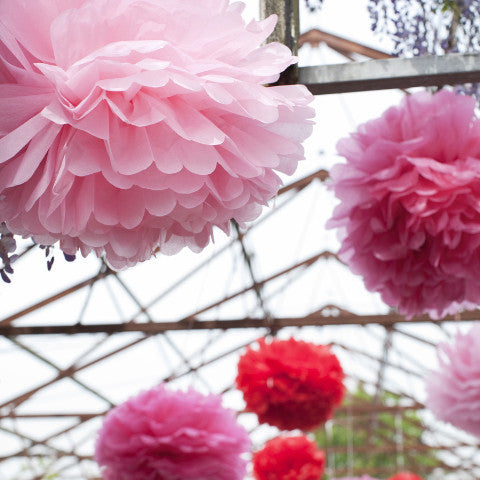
(314, 5)
(290, 384)
(131, 126)
(435, 27)
(409, 217)
(172, 435)
(419, 27)
(405, 476)
(8, 245)
(289, 458)
(453, 391)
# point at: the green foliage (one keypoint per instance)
(451, 5)
(50, 476)
(36, 465)
(392, 436)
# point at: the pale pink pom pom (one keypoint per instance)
(132, 125)
(172, 435)
(453, 391)
(409, 217)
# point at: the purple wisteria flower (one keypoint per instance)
(8, 245)
(435, 27)
(427, 26)
(313, 5)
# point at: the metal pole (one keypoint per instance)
(430, 70)
(314, 319)
(286, 31)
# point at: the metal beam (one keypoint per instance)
(426, 71)
(104, 272)
(316, 319)
(355, 409)
(315, 37)
(286, 31)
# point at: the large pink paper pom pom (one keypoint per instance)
(132, 125)
(168, 435)
(409, 218)
(453, 391)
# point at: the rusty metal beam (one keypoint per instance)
(192, 323)
(321, 174)
(67, 373)
(57, 296)
(298, 185)
(315, 37)
(50, 416)
(58, 369)
(356, 409)
(425, 71)
(286, 31)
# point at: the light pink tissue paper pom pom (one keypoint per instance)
(129, 126)
(172, 435)
(453, 390)
(409, 217)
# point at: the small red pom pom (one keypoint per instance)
(405, 476)
(291, 384)
(289, 458)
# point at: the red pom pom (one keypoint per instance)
(291, 384)
(289, 458)
(405, 476)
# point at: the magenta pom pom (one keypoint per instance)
(168, 435)
(453, 391)
(130, 126)
(409, 218)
